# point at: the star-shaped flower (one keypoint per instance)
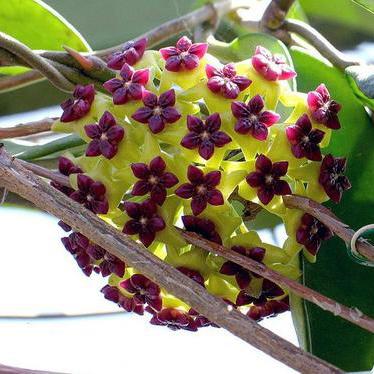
(184, 55)
(323, 109)
(66, 167)
(153, 179)
(225, 82)
(131, 53)
(202, 226)
(202, 189)
(143, 290)
(271, 67)
(77, 244)
(80, 105)
(269, 290)
(112, 293)
(269, 308)
(242, 276)
(311, 233)
(251, 119)
(205, 136)
(106, 135)
(305, 140)
(332, 177)
(193, 274)
(108, 263)
(200, 320)
(267, 180)
(174, 319)
(91, 194)
(144, 221)
(130, 87)
(157, 111)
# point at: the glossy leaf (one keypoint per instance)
(39, 151)
(13, 147)
(367, 4)
(335, 274)
(361, 78)
(38, 26)
(297, 12)
(341, 15)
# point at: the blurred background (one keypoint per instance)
(38, 278)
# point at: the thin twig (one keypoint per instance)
(17, 179)
(62, 316)
(350, 314)
(273, 19)
(275, 14)
(318, 41)
(25, 129)
(35, 61)
(77, 76)
(3, 195)
(46, 173)
(331, 221)
(72, 70)
(12, 82)
(163, 32)
(13, 370)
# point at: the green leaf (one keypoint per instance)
(244, 46)
(333, 15)
(14, 147)
(367, 4)
(33, 152)
(297, 12)
(38, 26)
(361, 78)
(335, 274)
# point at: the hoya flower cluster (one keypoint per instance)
(177, 136)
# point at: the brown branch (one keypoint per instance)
(275, 14)
(211, 11)
(25, 129)
(13, 370)
(17, 179)
(46, 173)
(11, 82)
(77, 76)
(3, 195)
(353, 315)
(331, 221)
(273, 19)
(35, 61)
(318, 41)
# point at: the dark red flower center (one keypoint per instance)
(266, 179)
(144, 221)
(332, 177)
(251, 119)
(153, 179)
(205, 137)
(201, 189)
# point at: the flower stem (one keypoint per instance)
(58, 145)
